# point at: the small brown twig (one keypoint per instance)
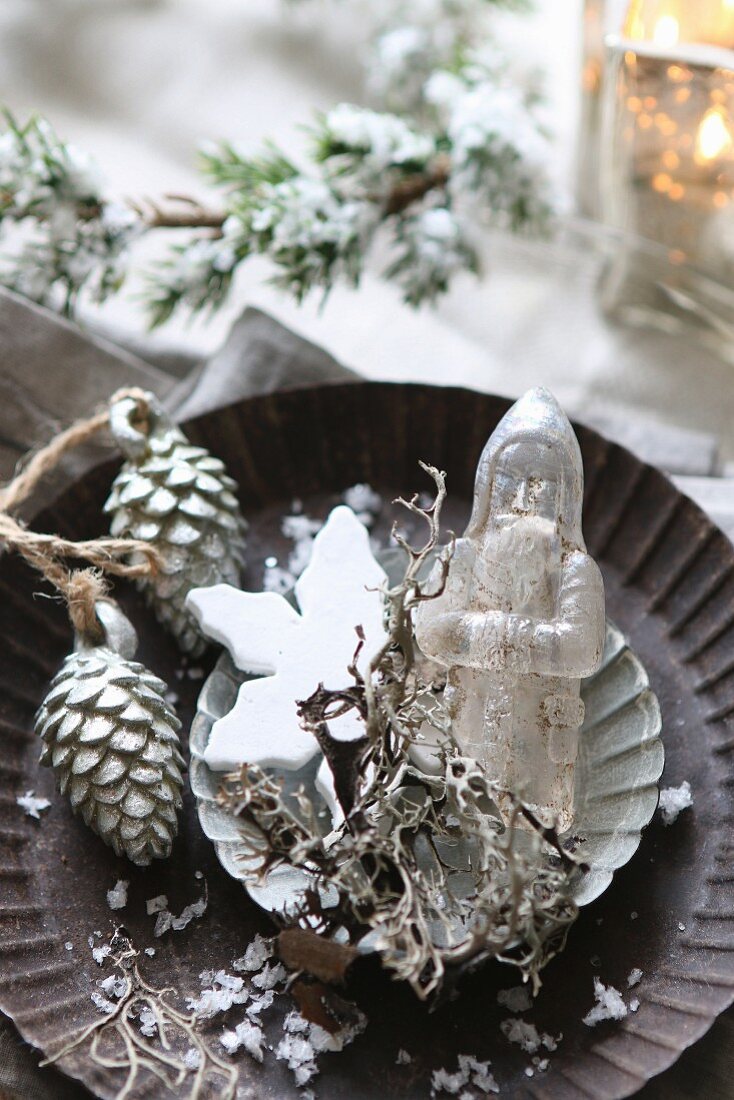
(408, 191)
(191, 214)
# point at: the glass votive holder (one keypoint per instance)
(600, 19)
(668, 172)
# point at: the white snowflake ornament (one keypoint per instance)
(294, 652)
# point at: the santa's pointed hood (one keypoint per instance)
(538, 426)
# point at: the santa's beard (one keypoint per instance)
(518, 557)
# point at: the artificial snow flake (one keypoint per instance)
(521, 1032)
(470, 1074)
(113, 986)
(673, 800)
(166, 921)
(156, 905)
(517, 999)
(269, 976)
(609, 1005)
(117, 896)
(224, 992)
(192, 1058)
(364, 502)
(338, 593)
(303, 1041)
(31, 805)
(99, 954)
(148, 1022)
(303, 530)
(102, 1003)
(246, 1035)
(634, 977)
(259, 1003)
(527, 1036)
(257, 954)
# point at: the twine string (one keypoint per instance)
(80, 588)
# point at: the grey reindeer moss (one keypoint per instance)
(423, 871)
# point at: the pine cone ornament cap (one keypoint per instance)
(179, 498)
(112, 741)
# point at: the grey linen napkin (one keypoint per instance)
(52, 373)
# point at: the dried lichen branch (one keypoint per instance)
(423, 870)
(116, 1040)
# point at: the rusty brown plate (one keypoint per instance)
(669, 575)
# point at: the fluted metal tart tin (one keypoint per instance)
(669, 579)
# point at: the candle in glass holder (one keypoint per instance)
(668, 129)
(668, 23)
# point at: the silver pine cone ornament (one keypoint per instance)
(112, 741)
(178, 498)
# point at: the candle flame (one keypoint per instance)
(714, 137)
(666, 32)
(667, 23)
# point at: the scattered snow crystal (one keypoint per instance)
(303, 530)
(364, 502)
(31, 805)
(527, 1036)
(113, 986)
(471, 1073)
(192, 1058)
(609, 1005)
(270, 976)
(247, 1035)
(117, 896)
(303, 1041)
(257, 954)
(633, 978)
(156, 905)
(225, 990)
(99, 954)
(673, 800)
(517, 999)
(148, 1022)
(103, 1004)
(166, 920)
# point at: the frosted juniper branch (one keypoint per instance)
(467, 146)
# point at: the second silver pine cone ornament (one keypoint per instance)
(112, 741)
(179, 498)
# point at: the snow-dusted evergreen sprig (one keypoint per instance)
(413, 39)
(463, 146)
(69, 237)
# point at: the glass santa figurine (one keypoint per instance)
(521, 619)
